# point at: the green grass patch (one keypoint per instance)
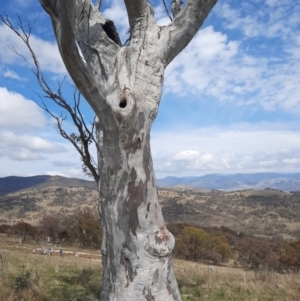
(79, 285)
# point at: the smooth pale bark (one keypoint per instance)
(123, 85)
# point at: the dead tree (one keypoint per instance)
(123, 85)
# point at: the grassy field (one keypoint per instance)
(197, 282)
(28, 277)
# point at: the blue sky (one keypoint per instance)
(231, 99)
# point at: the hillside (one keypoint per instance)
(12, 184)
(31, 203)
(264, 212)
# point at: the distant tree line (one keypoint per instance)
(218, 245)
(81, 229)
(270, 253)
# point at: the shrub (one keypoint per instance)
(22, 281)
(196, 244)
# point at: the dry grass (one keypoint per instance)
(51, 277)
(197, 282)
(54, 278)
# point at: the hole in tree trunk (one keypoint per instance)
(123, 102)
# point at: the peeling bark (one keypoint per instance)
(123, 85)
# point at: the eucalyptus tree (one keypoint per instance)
(123, 85)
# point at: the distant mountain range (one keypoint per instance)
(258, 181)
(279, 181)
(12, 184)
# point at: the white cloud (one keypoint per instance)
(187, 155)
(199, 66)
(17, 112)
(46, 52)
(268, 163)
(26, 147)
(253, 60)
(23, 161)
(55, 173)
(214, 66)
(63, 163)
(35, 144)
(160, 15)
(292, 161)
(72, 173)
(76, 172)
(12, 74)
(238, 148)
(272, 19)
(21, 155)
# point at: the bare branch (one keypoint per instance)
(72, 15)
(85, 136)
(185, 26)
(71, 26)
(166, 9)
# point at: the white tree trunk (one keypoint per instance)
(123, 85)
(137, 247)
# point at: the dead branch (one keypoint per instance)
(85, 136)
(166, 9)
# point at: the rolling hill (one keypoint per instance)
(13, 183)
(267, 212)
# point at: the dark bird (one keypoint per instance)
(111, 31)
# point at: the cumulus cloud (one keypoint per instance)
(253, 59)
(17, 112)
(188, 155)
(26, 147)
(270, 19)
(72, 173)
(12, 74)
(237, 148)
(63, 163)
(292, 161)
(259, 66)
(23, 161)
(35, 144)
(226, 163)
(160, 14)
(47, 52)
(22, 154)
(55, 173)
